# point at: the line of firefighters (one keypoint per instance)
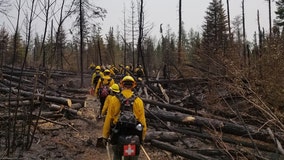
(121, 70)
(104, 76)
(111, 104)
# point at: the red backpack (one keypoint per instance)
(104, 91)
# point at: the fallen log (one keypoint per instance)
(178, 81)
(75, 90)
(76, 106)
(60, 100)
(21, 116)
(229, 138)
(169, 107)
(180, 151)
(21, 103)
(17, 79)
(162, 136)
(62, 108)
(226, 127)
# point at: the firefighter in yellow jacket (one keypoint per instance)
(102, 88)
(96, 76)
(114, 89)
(127, 84)
(104, 80)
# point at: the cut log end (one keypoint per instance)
(69, 103)
(188, 119)
(79, 113)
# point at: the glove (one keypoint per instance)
(142, 142)
(107, 141)
(101, 142)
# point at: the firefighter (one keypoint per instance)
(127, 84)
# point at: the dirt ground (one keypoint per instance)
(77, 139)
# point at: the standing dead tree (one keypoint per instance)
(11, 133)
(46, 7)
(244, 33)
(85, 12)
(229, 19)
(141, 36)
(81, 14)
(179, 31)
(27, 128)
(58, 39)
(270, 19)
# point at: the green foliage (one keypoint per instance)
(280, 12)
(37, 48)
(16, 50)
(193, 44)
(215, 30)
(59, 47)
(4, 40)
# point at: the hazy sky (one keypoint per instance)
(166, 12)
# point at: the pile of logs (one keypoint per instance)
(180, 117)
(230, 128)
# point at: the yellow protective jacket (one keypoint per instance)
(114, 112)
(94, 76)
(105, 80)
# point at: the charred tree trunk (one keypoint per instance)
(81, 41)
(270, 25)
(259, 33)
(229, 19)
(180, 31)
(244, 34)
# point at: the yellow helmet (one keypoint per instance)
(115, 88)
(92, 65)
(106, 71)
(128, 82)
(127, 67)
(98, 68)
(128, 78)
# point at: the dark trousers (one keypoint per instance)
(102, 101)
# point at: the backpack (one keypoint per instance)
(127, 120)
(139, 72)
(126, 133)
(104, 90)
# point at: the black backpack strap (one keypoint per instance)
(102, 81)
(109, 80)
(123, 100)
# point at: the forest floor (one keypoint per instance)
(77, 139)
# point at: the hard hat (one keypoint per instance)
(128, 82)
(92, 65)
(127, 67)
(128, 78)
(98, 68)
(115, 88)
(106, 71)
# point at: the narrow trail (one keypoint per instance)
(76, 140)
